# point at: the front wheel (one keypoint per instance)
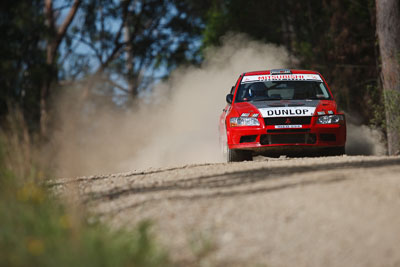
(234, 155)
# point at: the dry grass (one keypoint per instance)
(39, 229)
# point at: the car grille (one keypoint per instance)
(275, 139)
(287, 121)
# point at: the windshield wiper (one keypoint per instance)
(315, 98)
(268, 98)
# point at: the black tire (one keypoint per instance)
(234, 155)
(336, 151)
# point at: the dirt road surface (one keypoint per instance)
(329, 211)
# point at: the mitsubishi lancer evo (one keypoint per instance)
(281, 112)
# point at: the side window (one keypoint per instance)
(323, 90)
(234, 86)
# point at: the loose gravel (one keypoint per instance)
(328, 211)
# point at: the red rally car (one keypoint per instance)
(281, 112)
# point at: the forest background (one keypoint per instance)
(114, 53)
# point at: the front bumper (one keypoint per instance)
(271, 138)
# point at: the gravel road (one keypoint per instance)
(329, 211)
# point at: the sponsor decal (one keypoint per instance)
(288, 126)
(287, 112)
(284, 77)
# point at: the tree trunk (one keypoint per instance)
(388, 30)
(57, 34)
(43, 109)
(129, 58)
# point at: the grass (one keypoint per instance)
(38, 229)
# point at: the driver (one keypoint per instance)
(257, 89)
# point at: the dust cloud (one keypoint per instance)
(363, 140)
(176, 125)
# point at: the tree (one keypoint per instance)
(335, 37)
(23, 60)
(56, 34)
(97, 45)
(388, 30)
(128, 40)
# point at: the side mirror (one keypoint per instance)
(229, 98)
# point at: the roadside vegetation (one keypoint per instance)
(37, 229)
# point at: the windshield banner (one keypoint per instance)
(284, 77)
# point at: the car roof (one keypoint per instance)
(267, 72)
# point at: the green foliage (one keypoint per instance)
(202, 246)
(336, 37)
(36, 229)
(130, 38)
(22, 64)
(216, 23)
(258, 19)
(392, 100)
(376, 103)
(123, 41)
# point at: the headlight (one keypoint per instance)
(330, 119)
(244, 121)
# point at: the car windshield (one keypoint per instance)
(278, 90)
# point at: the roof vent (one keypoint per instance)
(280, 71)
